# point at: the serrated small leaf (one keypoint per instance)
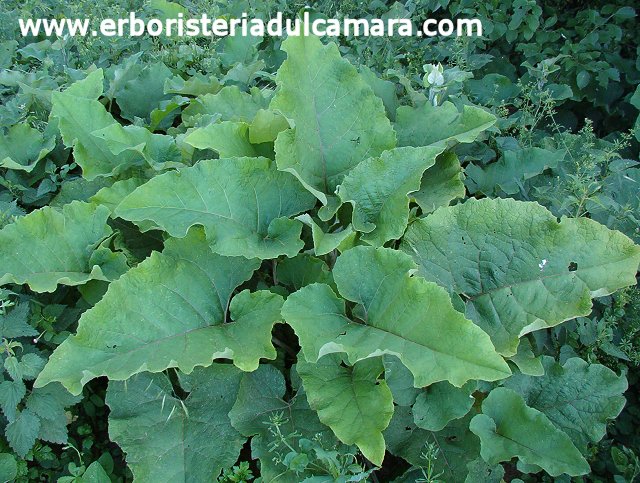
(11, 393)
(22, 432)
(15, 324)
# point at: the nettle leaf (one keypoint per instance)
(49, 404)
(441, 126)
(23, 146)
(193, 436)
(22, 432)
(169, 311)
(244, 205)
(338, 121)
(441, 184)
(16, 323)
(507, 427)
(577, 397)
(79, 115)
(11, 393)
(352, 401)
(8, 467)
(516, 267)
(378, 189)
(48, 247)
(401, 315)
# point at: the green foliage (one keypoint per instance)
(308, 260)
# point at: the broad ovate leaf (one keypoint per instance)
(227, 138)
(399, 314)
(352, 401)
(229, 104)
(326, 242)
(456, 445)
(442, 126)
(338, 121)
(244, 205)
(509, 173)
(378, 189)
(441, 403)
(169, 311)
(441, 184)
(517, 268)
(50, 247)
(79, 114)
(23, 146)
(577, 396)
(508, 427)
(147, 420)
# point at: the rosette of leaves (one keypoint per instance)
(304, 218)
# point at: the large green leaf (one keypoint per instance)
(509, 173)
(79, 115)
(455, 445)
(230, 104)
(378, 189)
(516, 267)
(169, 311)
(578, 397)
(441, 403)
(399, 315)
(168, 439)
(352, 401)
(507, 427)
(243, 204)
(227, 138)
(338, 121)
(50, 247)
(441, 184)
(23, 146)
(259, 405)
(442, 126)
